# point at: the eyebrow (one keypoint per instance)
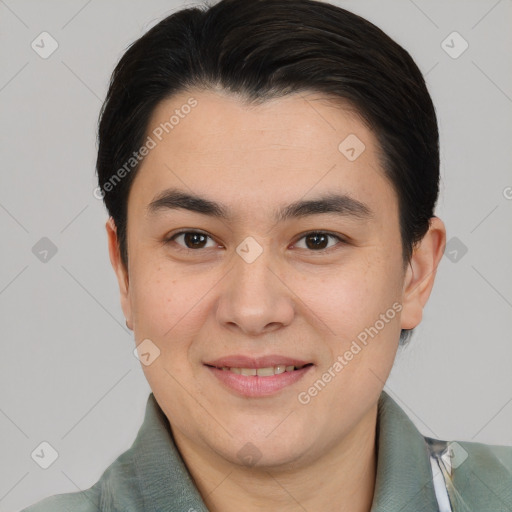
(341, 204)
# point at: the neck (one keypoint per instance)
(342, 478)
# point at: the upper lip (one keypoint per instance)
(240, 361)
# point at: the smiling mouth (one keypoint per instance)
(261, 372)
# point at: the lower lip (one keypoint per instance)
(255, 386)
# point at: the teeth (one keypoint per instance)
(262, 372)
(265, 372)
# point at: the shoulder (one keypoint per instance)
(149, 475)
(82, 501)
(475, 456)
(490, 465)
(477, 475)
(115, 490)
(487, 456)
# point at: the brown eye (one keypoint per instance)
(319, 240)
(191, 239)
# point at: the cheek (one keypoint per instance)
(171, 308)
(361, 308)
(155, 303)
(169, 311)
(353, 296)
(161, 301)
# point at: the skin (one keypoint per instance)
(296, 300)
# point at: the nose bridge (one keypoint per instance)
(253, 297)
(252, 269)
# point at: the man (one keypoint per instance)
(271, 171)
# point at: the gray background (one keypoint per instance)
(68, 374)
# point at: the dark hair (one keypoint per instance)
(264, 49)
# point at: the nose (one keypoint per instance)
(254, 299)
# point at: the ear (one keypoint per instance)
(119, 269)
(421, 273)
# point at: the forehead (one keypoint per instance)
(276, 152)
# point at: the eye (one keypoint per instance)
(191, 240)
(316, 241)
(319, 240)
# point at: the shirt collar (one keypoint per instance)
(404, 475)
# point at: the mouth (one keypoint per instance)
(268, 371)
(258, 377)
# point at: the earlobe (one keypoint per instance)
(421, 272)
(119, 269)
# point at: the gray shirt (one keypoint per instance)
(413, 472)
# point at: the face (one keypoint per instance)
(258, 244)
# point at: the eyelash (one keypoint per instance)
(326, 233)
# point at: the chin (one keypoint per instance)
(265, 459)
(266, 446)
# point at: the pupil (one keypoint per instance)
(192, 239)
(318, 241)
